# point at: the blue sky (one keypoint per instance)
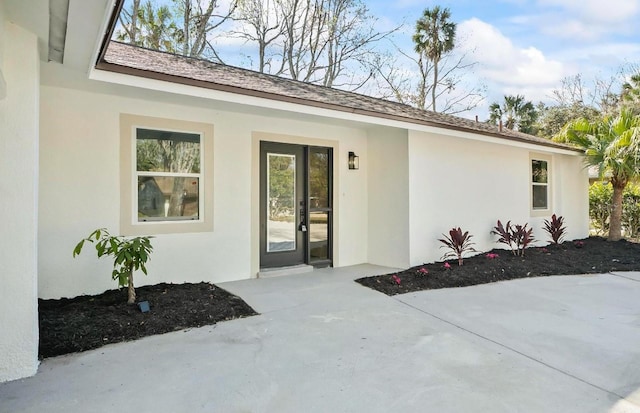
(527, 46)
(522, 47)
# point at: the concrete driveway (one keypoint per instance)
(325, 344)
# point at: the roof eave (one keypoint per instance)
(127, 70)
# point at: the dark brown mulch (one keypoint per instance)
(88, 322)
(587, 256)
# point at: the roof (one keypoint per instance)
(133, 60)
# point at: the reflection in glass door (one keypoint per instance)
(281, 204)
(320, 205)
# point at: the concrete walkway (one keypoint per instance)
(325, 344)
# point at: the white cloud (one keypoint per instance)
(506, 67)
(597, 11)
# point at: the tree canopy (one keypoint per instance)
(612, 143)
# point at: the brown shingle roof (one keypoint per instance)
(124, 58)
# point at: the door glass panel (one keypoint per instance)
(319, 235)
(318, 178)
(281, 205)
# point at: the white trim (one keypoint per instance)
(176, 88)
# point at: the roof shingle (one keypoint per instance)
(124, 58)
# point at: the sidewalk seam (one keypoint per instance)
(515, 351)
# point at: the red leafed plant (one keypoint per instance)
(517, 237)
(458, 243)
(555, 228)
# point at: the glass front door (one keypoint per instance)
(295, 205)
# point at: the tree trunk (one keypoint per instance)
(615, 221)
(132, 290)
(435, 85)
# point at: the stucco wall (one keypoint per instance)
(457, 182)
(18, 208)
(79, 191)
(388, 197)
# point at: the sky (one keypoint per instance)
(527, 47)
(521, 47)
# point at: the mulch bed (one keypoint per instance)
(88, 322)
(587, 256)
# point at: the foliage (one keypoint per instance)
(434, 36)
(613, 145)
(458, 243)
(515, 113)
(551, 119)
(129, 255)
(517, 237)
(555, 228)
(600, 196)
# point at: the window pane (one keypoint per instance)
(281, 206)
(540, 197)
(539, 171)
(164, 197)
(165, 151)
(319, 236)
(318, 178)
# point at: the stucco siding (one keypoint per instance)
(18, 208)
(455, 182)
(388, 197)
(79, 191)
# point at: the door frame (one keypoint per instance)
(256, 137)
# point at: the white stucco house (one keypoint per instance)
(269, 182)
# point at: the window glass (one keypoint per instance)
(539, 171)
(540, 184)
(168, 166)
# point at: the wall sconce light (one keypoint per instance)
(354, 161)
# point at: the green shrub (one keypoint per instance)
(600, 206)
(631, 211)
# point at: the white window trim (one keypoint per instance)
(129, 224)
(539, 212)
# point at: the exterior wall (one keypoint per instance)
(389, 191)
(456, 182)
(79, 192)
(18, 208)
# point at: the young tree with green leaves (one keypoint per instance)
(611, 143)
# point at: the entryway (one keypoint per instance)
(296, 206)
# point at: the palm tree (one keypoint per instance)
(515, 112)
(435, 35)
(630, 96)
(613, 145)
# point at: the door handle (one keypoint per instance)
(302, 227)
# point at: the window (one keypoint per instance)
(168, 166)
(539, 184)
(165, 167)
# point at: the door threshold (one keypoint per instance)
(280, 271)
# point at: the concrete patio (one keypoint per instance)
(325, 344)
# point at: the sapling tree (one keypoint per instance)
(129, 255)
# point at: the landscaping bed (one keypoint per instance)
(88, 322)
(587, 256)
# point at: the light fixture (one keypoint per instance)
(354, 161)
